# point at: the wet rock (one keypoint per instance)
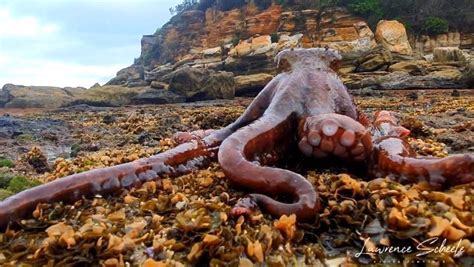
(468, 75)
(367, 92)
(158, 85)
(10, 127)
(374, 59)
(251, 85)
(251, 64)
(448, 54)
(445, 78)
(79, 108)
(19, 96)
(158, 73)
(455, 93)
(107, 96)
(139, 83)
(108, 119)
(201, 84)
(403, 80)
(152, 96)
(413, 67)
(5, 97)
(143, 137)
(128, 75)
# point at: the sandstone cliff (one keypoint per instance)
(210, 54)
(242, 42)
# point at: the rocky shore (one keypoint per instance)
(184, 220)
(217, 54)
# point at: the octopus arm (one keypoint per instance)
(237, 154)
(393, 157)
(179, 160)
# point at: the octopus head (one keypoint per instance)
(317, 58)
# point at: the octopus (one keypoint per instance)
(307, 109)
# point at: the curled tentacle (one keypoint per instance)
(264, 135)
(393, 157)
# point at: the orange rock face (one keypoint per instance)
(221, 27)
(393, 36)
(425, 44)
(247, 31)
(264, 23)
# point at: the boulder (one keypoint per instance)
(128, 75)
(106, 96)
(158, 85)
(287, 41)
(340, 30)
(19, 96)
(244, 48)
(414, 67)
(468, 75)
(253, 46)
(448, 54)
(5, 97)
(393, 36)
(220, 85)
(157, 73)
(261, 42)
(250, 64)
(202, 84)
(375, 59)
(251, 85)
(151, 96)
(212, 52)
(447, 78)
(435, 80)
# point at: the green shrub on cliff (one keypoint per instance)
(435, 25)
(366, 7)
(275, 37)
(369, 9)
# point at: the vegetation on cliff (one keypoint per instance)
(421, 16)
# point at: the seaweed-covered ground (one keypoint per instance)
(184, 221)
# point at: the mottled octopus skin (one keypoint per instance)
(392, 156)
(310, 88)
(307, 91)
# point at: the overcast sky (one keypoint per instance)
(73, 42)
